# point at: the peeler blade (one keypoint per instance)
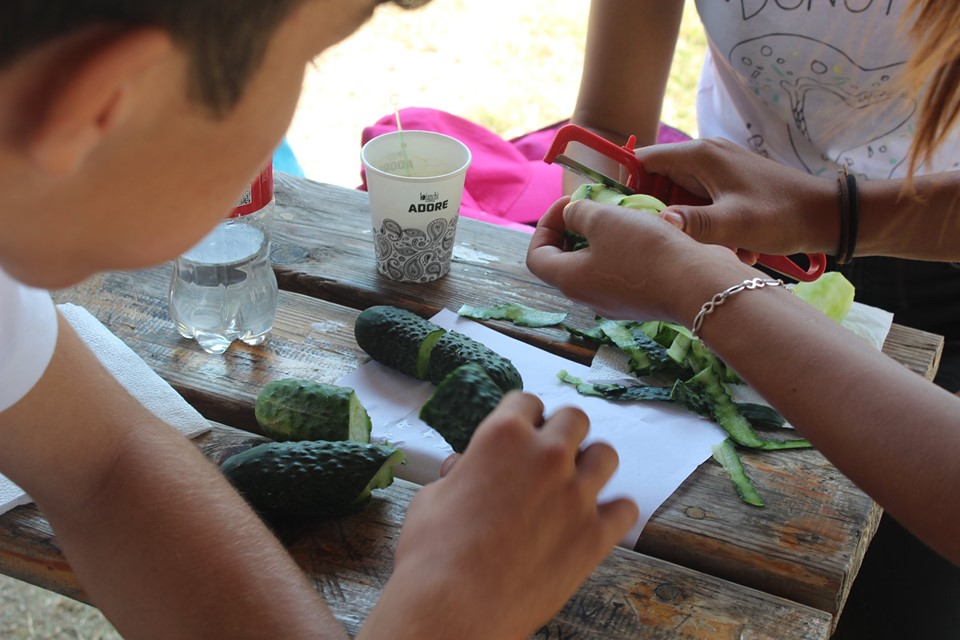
(592, 174)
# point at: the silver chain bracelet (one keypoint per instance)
(720, 298)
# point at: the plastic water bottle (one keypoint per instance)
(224, 289)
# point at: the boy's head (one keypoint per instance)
(128, 129)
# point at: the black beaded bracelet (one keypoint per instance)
(849, 215)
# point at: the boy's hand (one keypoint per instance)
(500, 543)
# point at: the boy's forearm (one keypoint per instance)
(167, 549)
(157, 537)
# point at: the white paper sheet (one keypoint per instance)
(659, 445)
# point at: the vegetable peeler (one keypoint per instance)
(660, 187)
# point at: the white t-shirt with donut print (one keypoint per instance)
(812, 84)
(28, 335)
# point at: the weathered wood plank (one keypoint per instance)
(350, 559)
(917, 350)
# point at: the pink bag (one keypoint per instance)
(508, 183)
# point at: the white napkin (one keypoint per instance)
(137, 378)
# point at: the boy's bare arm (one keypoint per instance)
(161, 542)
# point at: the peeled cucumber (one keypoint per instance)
(606, 195)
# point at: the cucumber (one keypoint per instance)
(598, 193)
(313, 479)
(419, 348)
(293, 409)
(460, 403)
(606, 195)
(643, 202)
(455, 350)
(397, 338)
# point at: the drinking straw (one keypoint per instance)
(403, 145)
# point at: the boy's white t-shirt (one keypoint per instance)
(812, 84)
(28, 336)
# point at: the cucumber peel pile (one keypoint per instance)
(690, 375)
(696, 380)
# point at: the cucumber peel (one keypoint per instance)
(518, 314)
(727, 414)
(616, 392)
(726, 454)
(832, 293)
(382, 479)
(423, 355)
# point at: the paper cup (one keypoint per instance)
(415, 192)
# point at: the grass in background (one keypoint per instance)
(679, 104)
(530, 110)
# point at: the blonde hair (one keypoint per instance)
(933, 73)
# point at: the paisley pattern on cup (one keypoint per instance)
(415, 255)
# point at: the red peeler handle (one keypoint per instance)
(640, 181)
(784, 265)
(667, 191)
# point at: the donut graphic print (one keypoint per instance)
(793, 75)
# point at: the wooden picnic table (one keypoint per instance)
(706, 565)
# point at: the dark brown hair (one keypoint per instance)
(225, 39)
(933, 73)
